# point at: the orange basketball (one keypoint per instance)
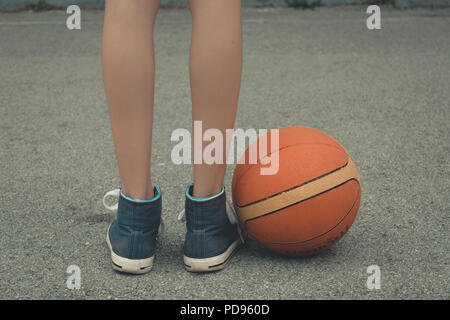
(309, 204)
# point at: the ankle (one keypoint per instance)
(202, 193)
(203, 196)
(138, 196)
(149, 197)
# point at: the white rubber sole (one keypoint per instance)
(135, 266)
(211, 264)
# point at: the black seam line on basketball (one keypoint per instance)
(345, 216)
(293, 204)
(290, 145)
(294, 187)
(293, 145)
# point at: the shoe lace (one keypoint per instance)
(231, 214)
(116, 194)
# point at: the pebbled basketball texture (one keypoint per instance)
(309, 204)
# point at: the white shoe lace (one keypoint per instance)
(116, 194)
(232, 217)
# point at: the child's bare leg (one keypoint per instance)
(128, 72)
(215, 75)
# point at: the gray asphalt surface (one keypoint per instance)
(383, 94)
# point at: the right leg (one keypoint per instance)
(128, 72)
(215, 76)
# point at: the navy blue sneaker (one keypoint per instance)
(212, 232)
(132, 237)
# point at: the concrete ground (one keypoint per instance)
(383, 94)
